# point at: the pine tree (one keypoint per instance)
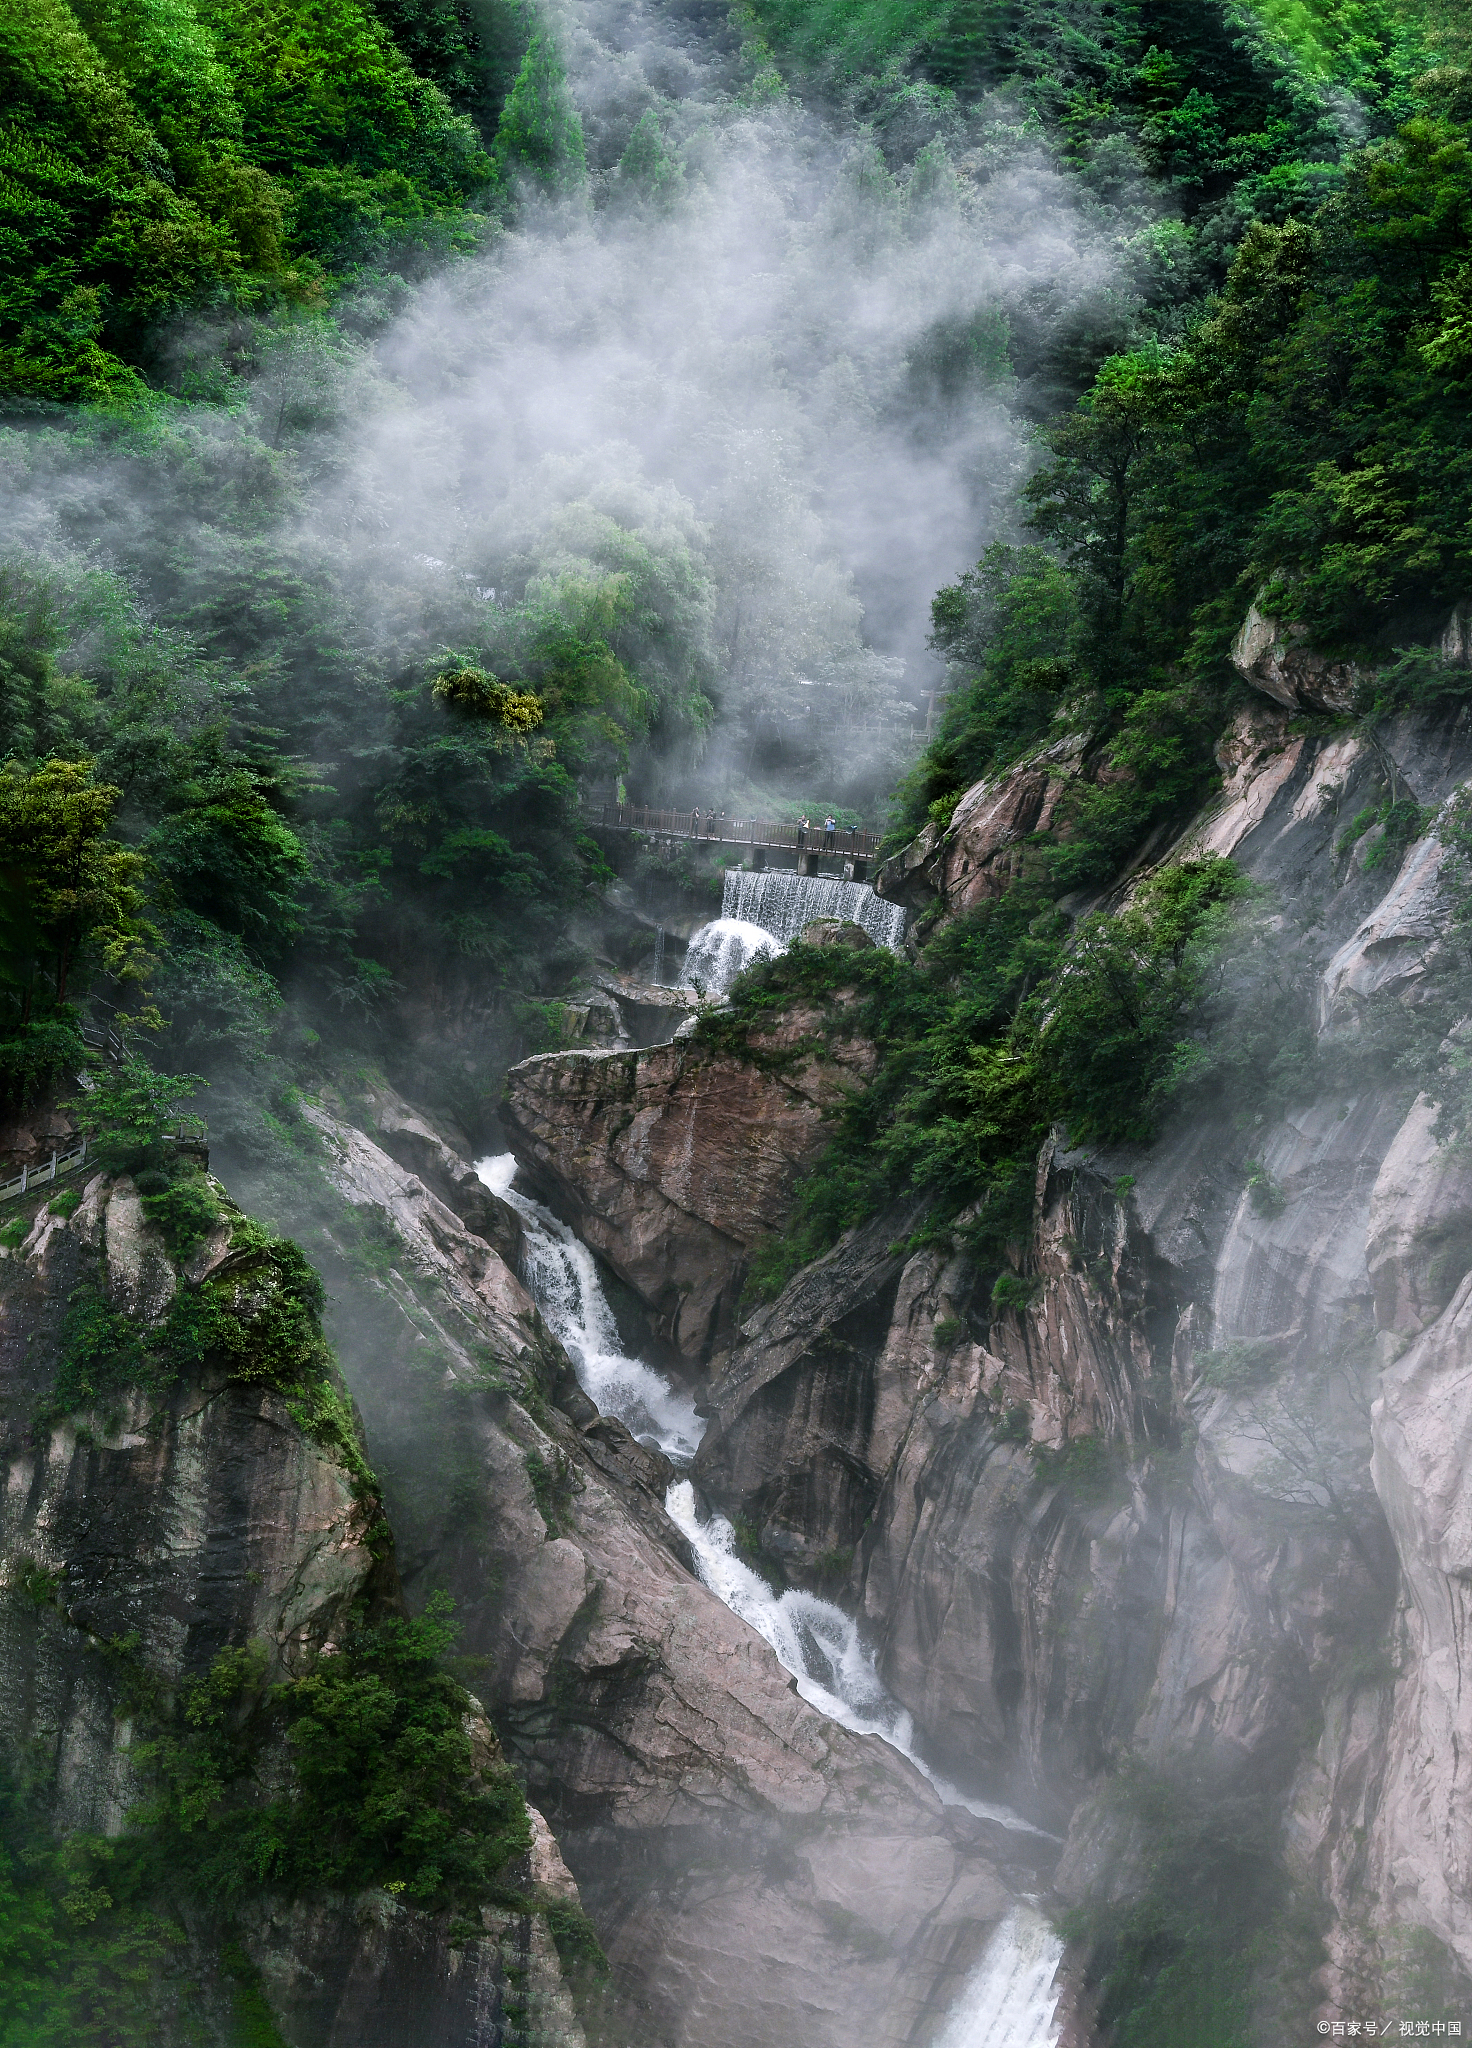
(541, 136)
(646, 165)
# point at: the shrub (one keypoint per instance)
(1190, 1959)
(1014, 1426)
(1010, 1290)
(382, 1788)
(185, 1207)
(1239, 1366)
(385, 1788)
(1087, 1467)
(36, 1056)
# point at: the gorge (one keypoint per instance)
(629, 1437)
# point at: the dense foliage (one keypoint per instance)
(1306, 445)
(1013, 1022)
(168, 156)
(382, 1788)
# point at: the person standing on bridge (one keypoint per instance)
(830, 828)
(695, 823)
(802, 833)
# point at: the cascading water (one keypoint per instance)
(1011, 1999)
(782, 903)
(819, 1644)
(563, 1278)
(721, 950)
(1008, 2001)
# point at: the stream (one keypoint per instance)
(1009, 2000)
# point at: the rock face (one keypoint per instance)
(180, 1524)
(673, 1163)
(1421, 1847)
(743, 1857)
(976, 857)
(1162, 1505)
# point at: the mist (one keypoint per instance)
(769, 400)
(788, 380)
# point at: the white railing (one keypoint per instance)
(105, 1038)
(32, 1177)
(42, 1176)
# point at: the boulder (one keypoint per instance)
(907, 876)
(1275, 657)
(836, 931)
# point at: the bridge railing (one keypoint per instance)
(32, 1177)
(42, 1176)
(737, 831)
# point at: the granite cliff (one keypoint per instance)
(187, 1505)
(1191, 1501)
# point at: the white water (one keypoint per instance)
(723, 949)
(1010, 2000)
(819, 1644)
(563, 1278)
(782, 903)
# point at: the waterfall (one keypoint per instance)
(720, 950)
(820, 1645)
(563, 1278)
(659, 956)
(1010, 1999)
(782, 903)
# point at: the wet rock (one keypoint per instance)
(791, 1442)
(975, 857)
(672, 1163)
(366, 1972)
(907, 876)
(413, 1141)
(742, 1856)
(979, 856)
(1422, 1846)
(836, 931)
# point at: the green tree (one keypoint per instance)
(68, 893)
(227, 855)
(540, 137)
(130, 1113)
(647, 166)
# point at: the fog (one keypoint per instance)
(768, 399)
(776, 388)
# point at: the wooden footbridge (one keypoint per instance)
(759, 837)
